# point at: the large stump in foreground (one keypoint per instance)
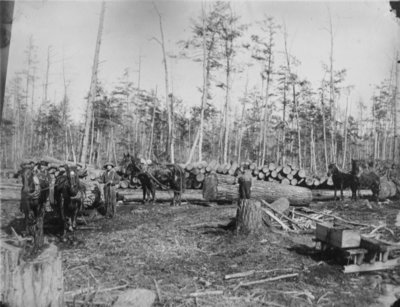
(249, 217)
(268, 191)
(34, 282)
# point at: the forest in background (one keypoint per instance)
(286, 120)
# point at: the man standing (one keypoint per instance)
(110, 179)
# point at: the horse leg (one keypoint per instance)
(144, 189)
(341, 191)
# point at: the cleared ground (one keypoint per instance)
(183, 250)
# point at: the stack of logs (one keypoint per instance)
(287, 175)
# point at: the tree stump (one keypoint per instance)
(249, 217)
(35, 282)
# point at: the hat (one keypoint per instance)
(44, 163)
(79, 165)
(52, 169)
(107, 164)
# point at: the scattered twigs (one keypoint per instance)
(253, 272)
(284, 226)
(338, 218)
(308, 217)
(256, 282)
(197, 294)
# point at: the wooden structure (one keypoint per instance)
(362, 253)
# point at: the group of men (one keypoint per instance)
(44, 172)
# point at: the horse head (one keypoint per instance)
(332, 169)
(28, 185)
(73, 178)
(356, 167)
(130, 165)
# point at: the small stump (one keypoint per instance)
(35, 282)
(249, 217)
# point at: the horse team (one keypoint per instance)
(354, 180)
(67, 193)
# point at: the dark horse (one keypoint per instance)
(34, 193)
(368, 179)
(69, 194)
(344, 180)
(166, 176)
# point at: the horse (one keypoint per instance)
(69, 194)
(343, 181)
(166, 176)
(367, 178)
(34, 193)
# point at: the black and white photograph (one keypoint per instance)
(199, 153)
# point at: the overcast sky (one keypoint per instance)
(366, 39)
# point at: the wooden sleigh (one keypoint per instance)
(361, 253)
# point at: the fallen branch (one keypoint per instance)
(284, 226)
(283, 215)
(158, 290)
(308, 217)
(197, 294)
(91, 289)
(256, 282)
(252, 272)
(83, 303)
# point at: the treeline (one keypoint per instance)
(283, 118)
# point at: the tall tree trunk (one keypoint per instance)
(6, 19)
(168, 95)
(345, 133)
(28, 78)
(395, 98)
(93, 86)
(324, 129)
(332, 95)
(227, 106)
(206, 73)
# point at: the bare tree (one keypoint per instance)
(168, 96)
(93, 84)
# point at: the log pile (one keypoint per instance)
(286, 175)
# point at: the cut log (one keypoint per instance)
(210, 185)
(189, 167)
(200, 177)
(309, 182)
(249, 217)
(274, 174)
(232, 169)
(289, 176)
(316, 182)
(195, 171)
(255, 172)
(224, 179)
(301, 174)
(261, 176)
(271, 167)
(280, 205)
(124, 184)
(279, 169)
(220, 168)
(267, 191)
(285, 181)
(286, 170)
(321, 195)
(35, 282)
(293, 181)
(265, 169)
(253, 166)
(137, 195)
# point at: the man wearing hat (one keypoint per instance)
(110, 179)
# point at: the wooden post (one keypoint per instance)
(35, 282)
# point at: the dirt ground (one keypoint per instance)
(178, 251)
